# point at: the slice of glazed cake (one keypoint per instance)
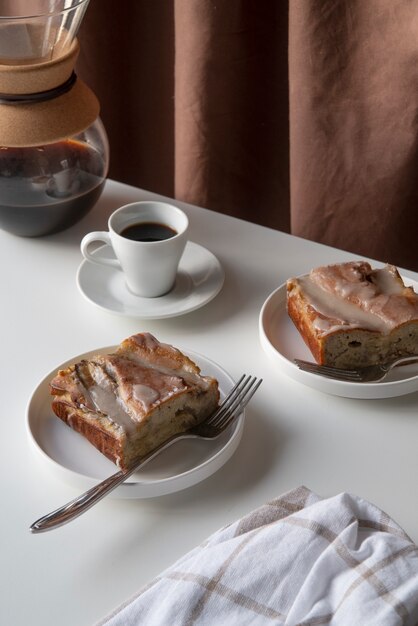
(351, 315)
(130, 401)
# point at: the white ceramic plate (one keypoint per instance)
(283, 343)
(73, 459)
(200, 278)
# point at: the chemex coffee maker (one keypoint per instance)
(53, 147)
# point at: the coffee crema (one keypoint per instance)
(148, 232)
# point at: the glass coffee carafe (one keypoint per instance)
(54, 151)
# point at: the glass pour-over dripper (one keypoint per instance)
(35, 31)
(53, 147)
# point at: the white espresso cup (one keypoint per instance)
(148, 239)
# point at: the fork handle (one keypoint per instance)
(89, 498)
(79, 505)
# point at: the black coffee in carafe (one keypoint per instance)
(45, 189)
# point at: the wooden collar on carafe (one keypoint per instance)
(43, 103)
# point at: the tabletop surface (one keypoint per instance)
(294, 435)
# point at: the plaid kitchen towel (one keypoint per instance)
(298, 560)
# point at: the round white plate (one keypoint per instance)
(73, 459)
(200, 278)
(283, 343)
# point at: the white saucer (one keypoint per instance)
(75, 461)
(283, 343)
(200, 278)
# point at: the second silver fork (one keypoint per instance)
(368, 374)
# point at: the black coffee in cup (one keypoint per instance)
(148, 231)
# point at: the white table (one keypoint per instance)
(293, 435)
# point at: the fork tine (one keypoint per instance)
(239, 406)
(330, 372)
(331, 368)
(239, 398)
(229, 400)
(226, 402)
(335, 373)
(240, 402)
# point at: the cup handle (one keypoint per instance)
(94, 237)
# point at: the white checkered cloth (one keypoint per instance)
(297, 560)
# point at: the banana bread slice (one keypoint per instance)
(128, 402)
(351, 315)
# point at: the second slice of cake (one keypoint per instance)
(351, 315)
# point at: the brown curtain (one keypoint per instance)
(300, 115)
(354, 125)
(194, 97)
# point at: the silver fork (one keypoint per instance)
(368, 374)
(225, 415)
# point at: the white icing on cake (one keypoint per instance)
(352, 295)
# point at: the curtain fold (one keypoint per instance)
(298, 115)
(126, 57)
(231, 108)
(354, 126)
